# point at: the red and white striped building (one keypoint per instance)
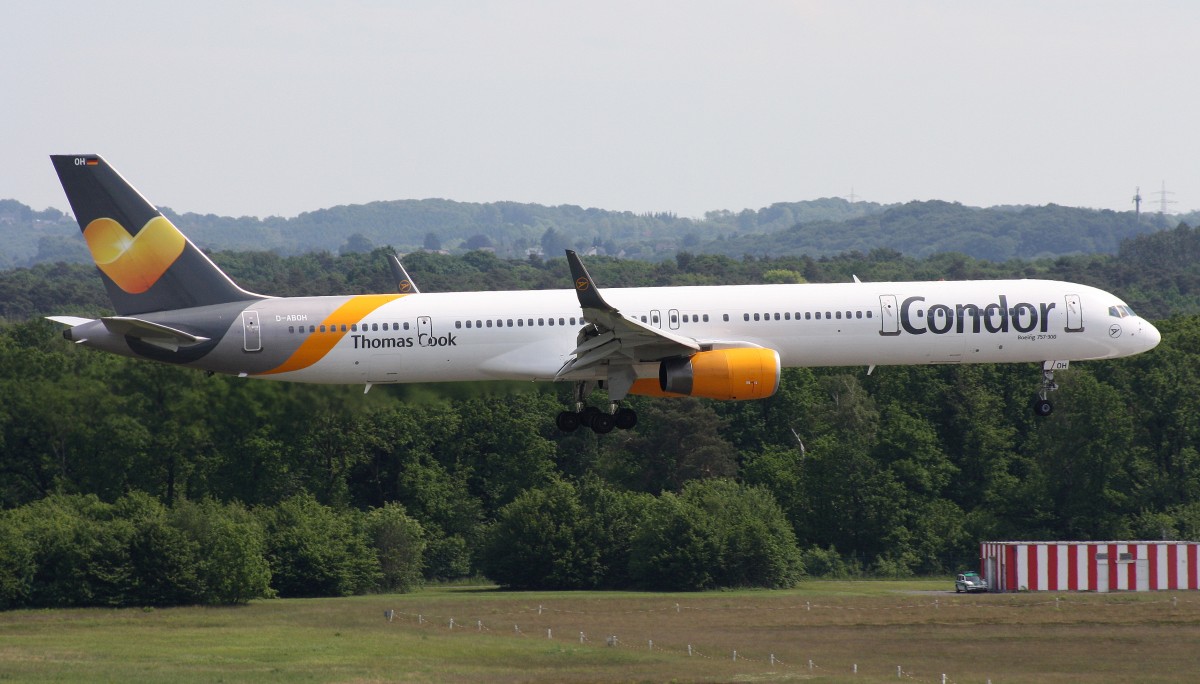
(1090, 566)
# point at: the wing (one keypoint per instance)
(611, 338)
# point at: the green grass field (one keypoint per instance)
(502, 637)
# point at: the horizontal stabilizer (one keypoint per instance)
(151, 333)
(70, 320)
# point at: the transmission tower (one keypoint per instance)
(1137, 202)
(1163, 198)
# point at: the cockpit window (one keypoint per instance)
(1120, 311)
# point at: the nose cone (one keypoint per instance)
(1149, 336)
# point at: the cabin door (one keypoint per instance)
(888, 317)
(1074, 314)
(424, 331)
(251, 333)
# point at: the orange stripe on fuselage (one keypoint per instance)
(318, 344)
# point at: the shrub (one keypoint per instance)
(315, 551)
(399, 543)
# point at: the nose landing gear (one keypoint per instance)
(1041, 404)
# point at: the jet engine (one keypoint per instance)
(742, 373)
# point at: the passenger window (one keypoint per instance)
(776, 316)
(541, 321)
(354, 327)
(291, 328)
(375, 327)
(745, 317)
(839, 315)
(313, 328)
(643, 319)
(458, 324)
(489, 323)
(868, 314)
(725, 317)
(468, 324)
(808, 315)
(756, 317)
(858, 314)
(510, 323)
(322, 328)
(520, 322)
(705, 318)
(406, 325)
(343, 327)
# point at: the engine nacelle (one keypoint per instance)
(743, 373)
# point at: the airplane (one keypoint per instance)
(174, 305)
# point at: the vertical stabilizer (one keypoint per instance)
(146, 263)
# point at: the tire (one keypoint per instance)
(1042, 407)
(587, 415)
(567, 421)
(626, 418)
(603, 423)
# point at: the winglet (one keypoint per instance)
(585, 287)
(404, 284)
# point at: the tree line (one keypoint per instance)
(823, 227)
(840, 473)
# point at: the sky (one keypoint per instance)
(259, 108)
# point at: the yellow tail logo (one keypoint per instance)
(134, 262)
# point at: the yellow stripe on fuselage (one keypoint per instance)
(318, 344)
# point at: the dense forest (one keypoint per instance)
(131, 482)
(816, 228)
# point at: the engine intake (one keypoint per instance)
(743, 373)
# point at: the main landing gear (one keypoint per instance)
(1041, 405)
(601, 422)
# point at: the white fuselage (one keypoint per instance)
(530, 335)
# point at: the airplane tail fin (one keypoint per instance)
(146, 263)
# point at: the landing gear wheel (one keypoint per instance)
(567, 421)
(1042, 407)
(626, 418)
(603, 423)
(587, 415)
